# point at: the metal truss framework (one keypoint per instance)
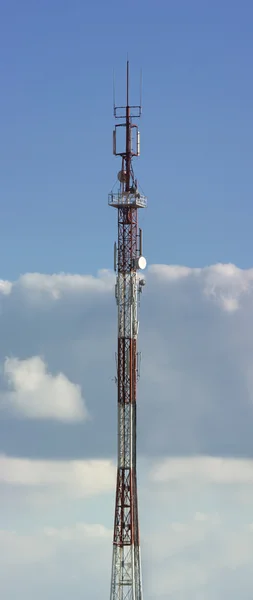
(126, 581)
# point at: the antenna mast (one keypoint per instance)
(126, 581)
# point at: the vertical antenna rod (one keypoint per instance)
(126, 581)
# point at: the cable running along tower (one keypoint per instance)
(126, 581)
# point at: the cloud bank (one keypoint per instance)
(196, 387)
(58, 433)
(197, 534)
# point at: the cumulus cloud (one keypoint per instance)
(36, 394)
(223, 283)
(227, 284)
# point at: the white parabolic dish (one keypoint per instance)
(142, 262)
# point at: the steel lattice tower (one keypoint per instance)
(126, 581)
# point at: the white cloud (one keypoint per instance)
(185, 551)
(171, 272)
(43, 543)
(22, 549)
(80, 531)
(223, 283)
(55, 561)
(5, 287)
(39, 285)
(214, 519)
(227, 284)
(36, 394)
(196, 530)
(204, 469)
(76, 477)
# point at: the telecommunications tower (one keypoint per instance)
(126, 581)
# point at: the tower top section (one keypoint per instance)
(132, 111)
(126, 144)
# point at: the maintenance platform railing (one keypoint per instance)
(121, 199)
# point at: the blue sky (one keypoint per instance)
(56, 164)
